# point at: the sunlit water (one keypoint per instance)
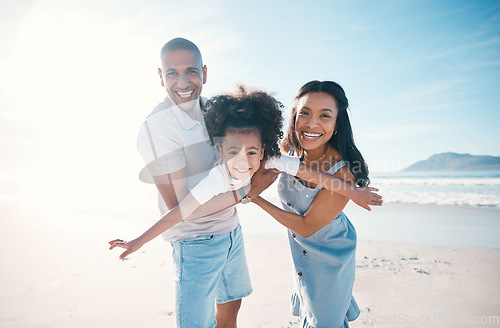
(472, 188)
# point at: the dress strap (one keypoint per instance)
(332, 170)
(337, 167)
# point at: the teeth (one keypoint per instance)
(311, 135)
(242, 171)
(186, 94)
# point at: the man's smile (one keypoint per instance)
(185, 94)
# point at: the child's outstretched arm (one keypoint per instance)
(363, 196)
(179, 213)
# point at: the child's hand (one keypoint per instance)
(366, 196)
(261, 180)
(130, 246)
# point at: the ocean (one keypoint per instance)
(438, 208)
(467, 188)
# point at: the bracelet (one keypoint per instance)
(244, 198)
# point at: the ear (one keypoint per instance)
(204, 74)
(219, 148)
(161, 77)
(262, 150)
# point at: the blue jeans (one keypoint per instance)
(208, 269)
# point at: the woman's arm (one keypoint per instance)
(326, 206)
(363, 196)
(179, 213)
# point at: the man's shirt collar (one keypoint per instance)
(182, 117)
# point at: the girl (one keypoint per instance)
(246, 127)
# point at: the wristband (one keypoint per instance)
(244, 198)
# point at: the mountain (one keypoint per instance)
(456, 162)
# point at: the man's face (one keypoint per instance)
(183, 76)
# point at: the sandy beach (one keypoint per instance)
(56, 271)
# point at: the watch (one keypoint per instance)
(244, 198)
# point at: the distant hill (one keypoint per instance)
(456, 162)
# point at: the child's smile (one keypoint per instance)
(242, 153)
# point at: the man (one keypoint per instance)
(209, 257)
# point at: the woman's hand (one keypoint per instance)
(366, 197)
(130, 246)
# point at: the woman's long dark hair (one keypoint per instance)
(343, 140)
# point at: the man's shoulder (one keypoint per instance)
(161, 110)
(203, 102)
(161, 118)
(165, 110)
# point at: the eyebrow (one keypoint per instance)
(323, 110)
(187, 68)
(238, 148)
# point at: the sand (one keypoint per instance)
(56, 271)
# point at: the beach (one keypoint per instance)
(422, 110)
(56, 270)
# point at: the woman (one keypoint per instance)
(322, 239)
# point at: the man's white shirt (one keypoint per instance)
(170, 140)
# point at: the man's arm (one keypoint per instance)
(172, 187)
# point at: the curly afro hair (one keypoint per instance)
(246, 111)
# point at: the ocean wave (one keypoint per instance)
(441, 198)
(493, 182)
(456, 191)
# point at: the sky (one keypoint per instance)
(78, 77)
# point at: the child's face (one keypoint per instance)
(242, 153)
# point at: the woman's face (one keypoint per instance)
(315, 120)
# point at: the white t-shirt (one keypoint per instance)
(170, 140)
(219, 181)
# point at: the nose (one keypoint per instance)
(183, 81)
(312, 121)
(242, 157)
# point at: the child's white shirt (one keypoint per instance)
(219, 181)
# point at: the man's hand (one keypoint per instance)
(366, 197)
(130, 246)
(261, 180)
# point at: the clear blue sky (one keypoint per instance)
(422, 77)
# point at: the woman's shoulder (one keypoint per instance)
(344, 172)
(340, 167)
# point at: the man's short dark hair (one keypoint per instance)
(180, 44)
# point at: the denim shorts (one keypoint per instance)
(208, 269)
